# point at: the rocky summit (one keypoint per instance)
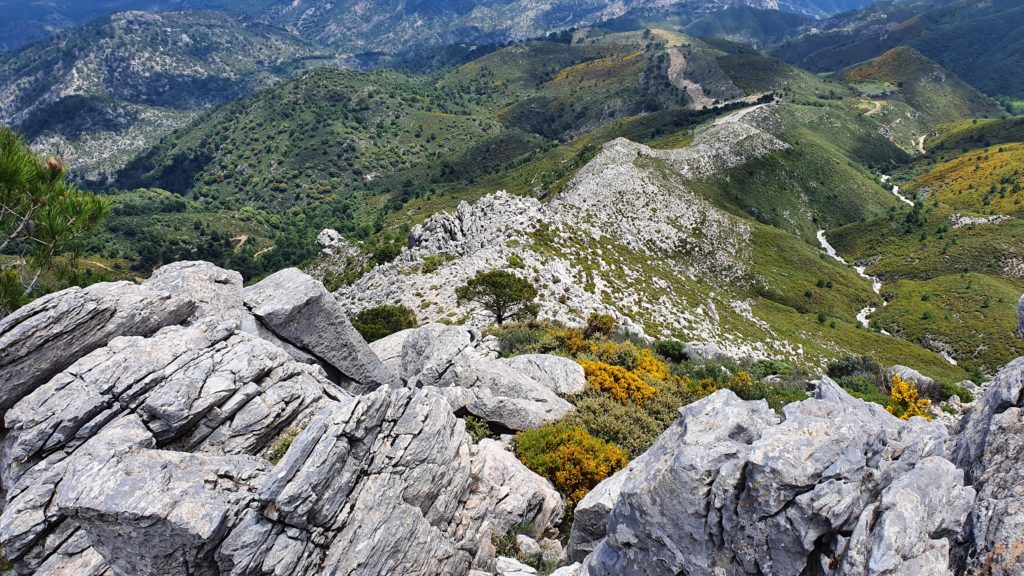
(186, 425)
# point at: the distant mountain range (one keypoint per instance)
(979, 41)
(354, 26)
(100, 94)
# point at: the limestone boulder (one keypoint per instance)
(300, 311)
(562, 375)
(41, 339)
(835, 486)
(990, 449)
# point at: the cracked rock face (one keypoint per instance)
(46, 336)
(990, 448)
(183, 443)
(300, 311)
(460, 365)
(838, 486)
(154, 511)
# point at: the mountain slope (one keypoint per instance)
(100, 94)
(355, 26)
(747, 25)
(939, 96)
(633, 235)
(977, 41)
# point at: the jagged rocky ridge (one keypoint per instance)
(631, 201)
(188, 426)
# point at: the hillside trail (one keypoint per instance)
(694, 91)
(878, 108)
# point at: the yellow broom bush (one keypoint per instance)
(617, 382)
(568, 456)
(906, 402)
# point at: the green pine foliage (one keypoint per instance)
(43, 222)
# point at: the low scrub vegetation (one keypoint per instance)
(634, 392)
(381, 321)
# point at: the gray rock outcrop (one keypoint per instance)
(328, 239)
(215, 291)
(461, 365)
(1020, 317)
(925, 385)
(153, 511)
(48, 335)
(837, 487)
(562, 375)
(990, 449)
(590, 519)
(300, 311)
(185, 444)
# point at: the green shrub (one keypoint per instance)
(476, 427)
(863, 388)
(673, 350)
(599, 325)
(281, 446)
(626, 425)
(434, 262)
(524, 337)
(950, 390)
(381, 321)
(573, 460)
(853, 366)
(764, 368)
(515, 261)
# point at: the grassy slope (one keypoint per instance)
(952, 288)
(986, 181)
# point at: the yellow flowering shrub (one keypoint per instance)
(906, 402)
(571, 340)
(647, 364)
(704, 387)
(617, 382)
(568, 456)
(625, 354)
